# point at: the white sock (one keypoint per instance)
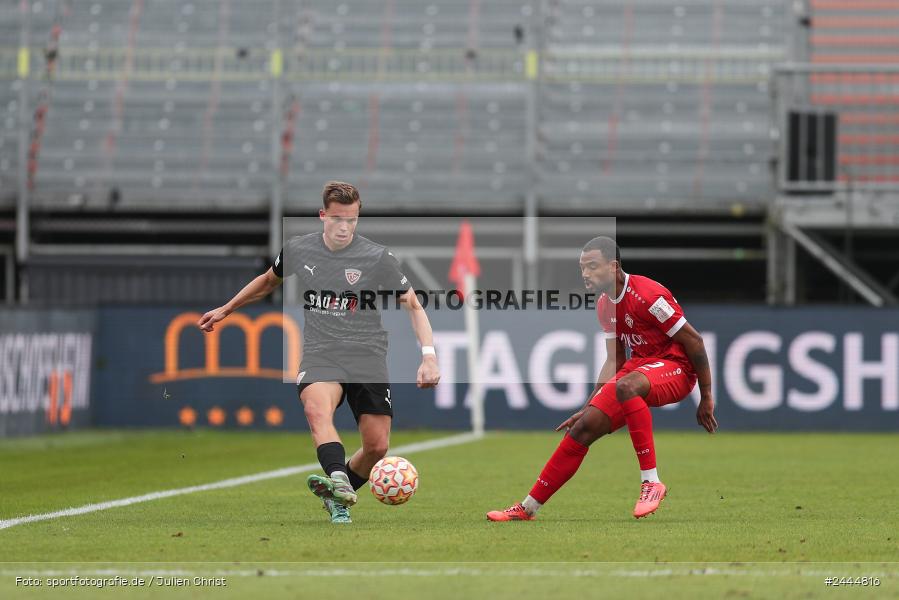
(531, 505)
(649, 475)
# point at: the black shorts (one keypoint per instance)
(363, 379)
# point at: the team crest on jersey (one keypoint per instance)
(352, 275)
(629, 320)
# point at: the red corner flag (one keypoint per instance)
(465, 261)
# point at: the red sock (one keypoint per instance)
(564, 462)
(639, 424)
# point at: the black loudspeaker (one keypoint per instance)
(811, 147)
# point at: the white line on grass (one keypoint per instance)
(437, 570)
(444, 442)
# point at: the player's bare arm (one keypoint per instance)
(690, 339)
(614, 359)
(256, 290)
(428, 372)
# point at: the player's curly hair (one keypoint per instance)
(338, 191)
(606, 246)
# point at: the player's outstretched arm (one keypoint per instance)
(428, 372)
(614, 360)
(690, 339)
(257, 289)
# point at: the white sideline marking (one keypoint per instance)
(436, 570)
(452, 440)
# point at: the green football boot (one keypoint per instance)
(337, 488)
(339, 513)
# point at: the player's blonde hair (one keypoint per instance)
(340, 192)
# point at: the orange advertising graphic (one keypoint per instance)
(245, 416)
(274, 416)
(187, 416)
(216, 416)
(56, 412)
(252, 329)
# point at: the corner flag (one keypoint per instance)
(463, 271)
(465, 261)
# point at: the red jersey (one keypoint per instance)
(644, 318)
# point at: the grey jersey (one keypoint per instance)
(333, 285)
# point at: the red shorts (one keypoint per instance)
(669, 382)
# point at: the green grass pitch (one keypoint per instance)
(748, 515)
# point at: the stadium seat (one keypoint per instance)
(860, 34)
(658, 103)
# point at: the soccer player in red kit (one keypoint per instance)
(667, 356)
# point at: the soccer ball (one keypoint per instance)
(393, 480)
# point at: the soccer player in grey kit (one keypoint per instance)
(344, 344)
